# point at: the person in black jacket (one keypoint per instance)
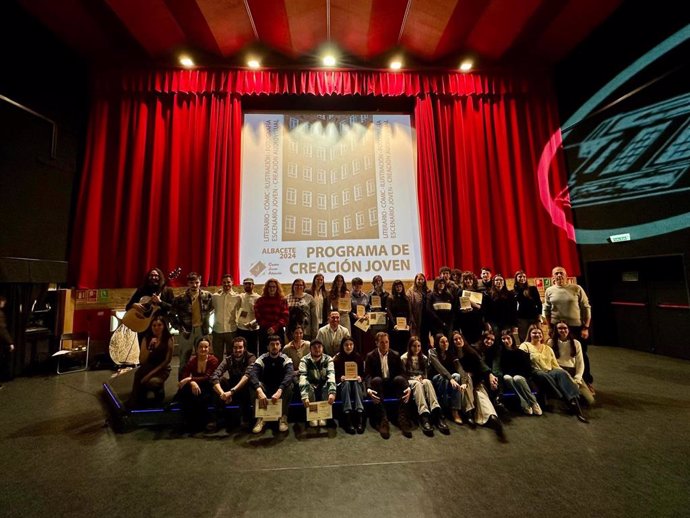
(515, 368)
(529, 305)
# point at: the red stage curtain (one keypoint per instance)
(478, 185)
(160, 187)
(161, 179)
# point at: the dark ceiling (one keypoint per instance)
(290, 32)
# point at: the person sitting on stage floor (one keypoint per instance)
(415, 369)
(451, 383)
(351, 391)
(568, 352)
(317, 378)
(515, 368)
(190, 314)
(195, 390)
(271, 312)
(235, 387)
(271, 379)
(548, 375)
(383, 375)
(154, 368)
(225, 303)
(332, 334)
(480, 374)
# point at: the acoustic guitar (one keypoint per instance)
(139, 321)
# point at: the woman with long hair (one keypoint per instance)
(500, 308)
(439, 308)
(415, 365)
(548, 374)
(515, 369)
(195, 391)
(271, 312)
(450, 381)
(471, 319)
(337, 292)
(154, 368)
(398, 306)
(481, 376)
(568, 352)
(417, 295)
(301, 311)
(318, 291)
(350, 391)
(529, 304)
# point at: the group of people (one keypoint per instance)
(437, 350)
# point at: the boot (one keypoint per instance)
(384, 425)
(404, 420)
(440, 421)
(495, 423)
(467, 417)
(455, 414)
(426, 424)
(359, 422)
(575, 409)
(348, 423)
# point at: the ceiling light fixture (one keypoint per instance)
(329, 60)
(186, 61)
(466, 65)
(396, 64)
(253, 63)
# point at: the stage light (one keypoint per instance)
(329, 60)
(396, 64)
(466, 65)
(186, 61)
(253, 63)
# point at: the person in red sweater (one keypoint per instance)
(271, 312)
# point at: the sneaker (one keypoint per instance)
(528, 410)
(322, 422)
(283, 424)
(536, 409)
(259, 426)
(314, 424)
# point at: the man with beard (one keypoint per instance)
(235, 387)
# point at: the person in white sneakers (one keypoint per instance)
(271, 379)
(316, 378)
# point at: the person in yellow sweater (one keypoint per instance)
(548, 374)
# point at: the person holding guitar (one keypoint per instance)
(153, 296)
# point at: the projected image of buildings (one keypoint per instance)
(329, 178)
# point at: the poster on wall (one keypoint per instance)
(328, 193)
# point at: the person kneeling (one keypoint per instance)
(316, 378)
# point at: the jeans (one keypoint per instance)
(448, 395)
(351, 393)
(559, 382)
(521, 388)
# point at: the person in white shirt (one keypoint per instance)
(245, 317)
(332, 334)
(225, 304)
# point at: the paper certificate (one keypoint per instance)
(377, 318)
(401, 324)
(443, 306)
(319, 410)
(375, 301)
(272, 412)
(344, 305)
(362, 323)
(465, 303)
(474, 296)
(361, 311)
(351, 371)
